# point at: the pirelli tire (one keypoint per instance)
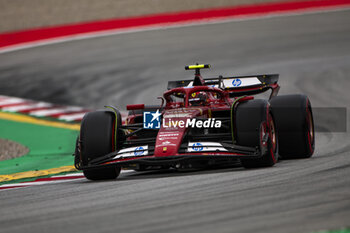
(99, 136)
(255, 127)
(295, 126)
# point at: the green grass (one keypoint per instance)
(49, 147)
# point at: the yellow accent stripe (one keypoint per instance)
(32, 174)
(196, 67)
(32, 120)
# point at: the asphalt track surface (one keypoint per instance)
(312, 54)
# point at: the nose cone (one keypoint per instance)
(168, 142)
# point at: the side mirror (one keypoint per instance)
(163, 101)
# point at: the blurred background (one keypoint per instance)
(19, 14)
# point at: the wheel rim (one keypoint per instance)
(311, 134)
(311, 126)
(273, 134)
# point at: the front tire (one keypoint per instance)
(254, 123)
(98, 138)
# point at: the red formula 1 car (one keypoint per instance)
(200, 122)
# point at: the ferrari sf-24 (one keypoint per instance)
(199, 123)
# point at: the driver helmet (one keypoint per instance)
(198, 98)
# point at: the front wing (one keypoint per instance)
(187, 152)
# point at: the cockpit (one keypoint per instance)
(193, 97)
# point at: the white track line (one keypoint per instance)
(77, 176)
(35, 183)
(69, 175)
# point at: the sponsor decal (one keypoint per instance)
(167, 136)
(241, 82)
(175, 115)
(132, 152)
(236, 82)
(197, 146)
(205, 146)
(139, 151)
(164, 134)
(161, 138)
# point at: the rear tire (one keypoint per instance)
(295, 125)
(253, 120)
(97, 138)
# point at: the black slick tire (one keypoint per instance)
(97, 138)
(295, 125)
(253, 120)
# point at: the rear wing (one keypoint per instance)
(236, 86)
